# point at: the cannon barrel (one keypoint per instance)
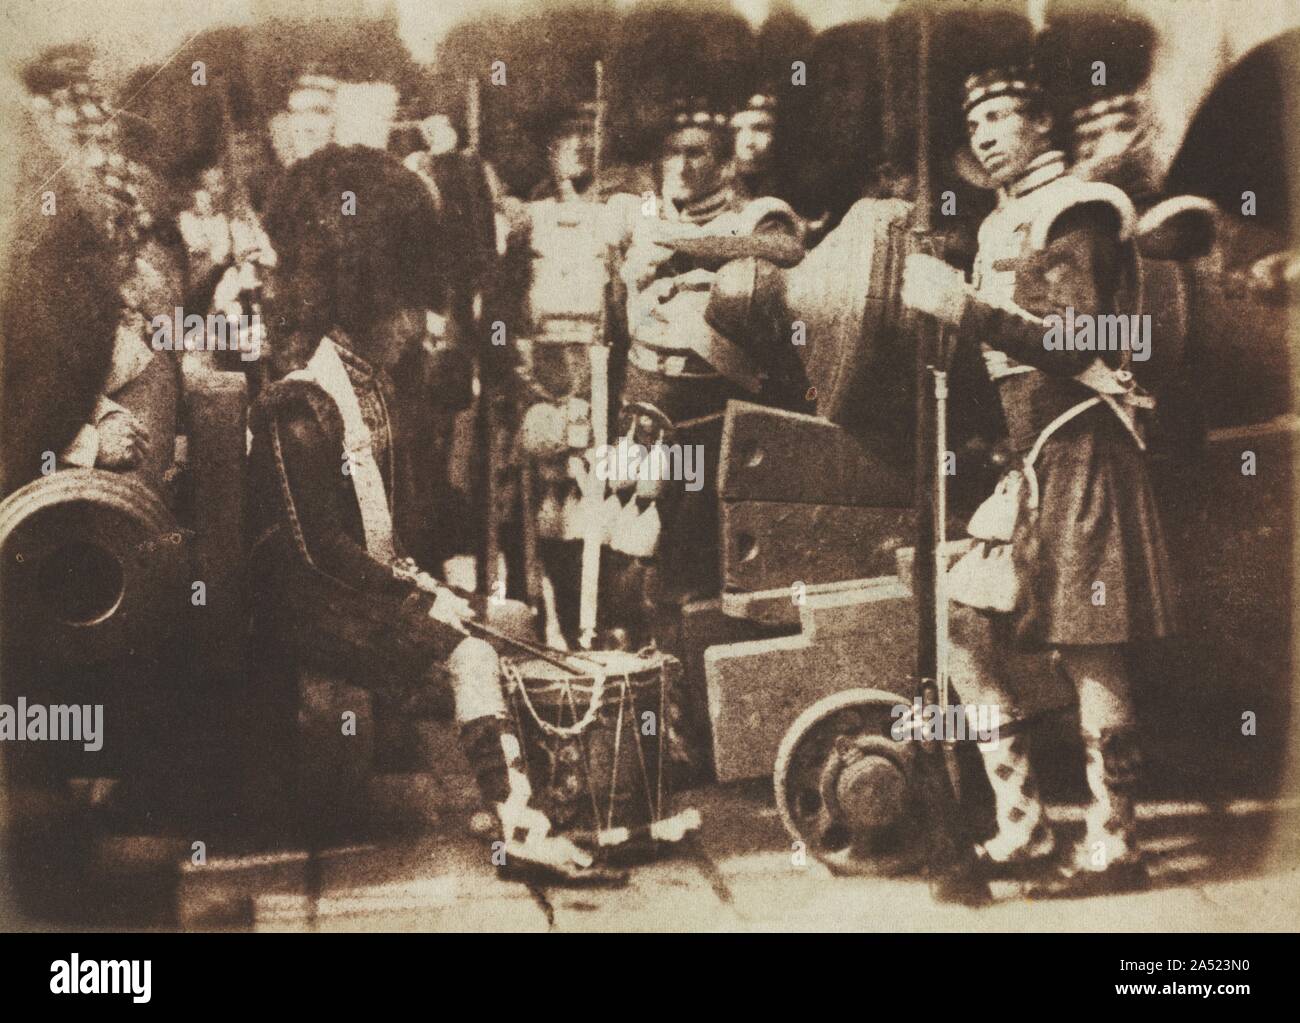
(93, 568)
(840, 308)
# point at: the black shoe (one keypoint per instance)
(569, 876)
(1040, 854)
(1069, 882)
(961, 888)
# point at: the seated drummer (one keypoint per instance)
(330, 488)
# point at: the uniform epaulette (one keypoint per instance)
(757, 210)
(1068, 193)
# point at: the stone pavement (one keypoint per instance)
(1209, 863)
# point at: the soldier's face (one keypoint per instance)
(692, 165)
(570, 156)
(753, 146)
(1005, 138)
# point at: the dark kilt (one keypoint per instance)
(1096, 522)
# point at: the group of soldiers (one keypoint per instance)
(635, 270)
(615, 318)
(639, 280)
(650, 298)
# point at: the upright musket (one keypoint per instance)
(598, 132)
(954, 871)
(486, 437)
(593, 491)
(473, 116)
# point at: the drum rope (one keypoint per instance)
(640, 756)
(586, 759)
(600, 678)
(515, 678)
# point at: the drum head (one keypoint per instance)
(624, 662)
(534, 669)
(616, 664)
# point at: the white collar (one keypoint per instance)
(1043, 168)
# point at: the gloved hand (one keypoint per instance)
(544, 432)
(450, 609)
(932, 286)
(123, 441)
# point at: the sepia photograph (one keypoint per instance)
(697, 466)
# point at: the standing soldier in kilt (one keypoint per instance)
(1089, 571)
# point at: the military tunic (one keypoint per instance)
(1091, 558)
(678, 362)
(321, 595)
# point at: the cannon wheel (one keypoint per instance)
(844, 786)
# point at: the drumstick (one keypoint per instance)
(423, 581)
(540, 652)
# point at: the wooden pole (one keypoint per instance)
(486, 440)
(593, 498)
(598, 140)
(924, 577)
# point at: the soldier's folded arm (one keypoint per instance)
(776, 239)
(1077, 269)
